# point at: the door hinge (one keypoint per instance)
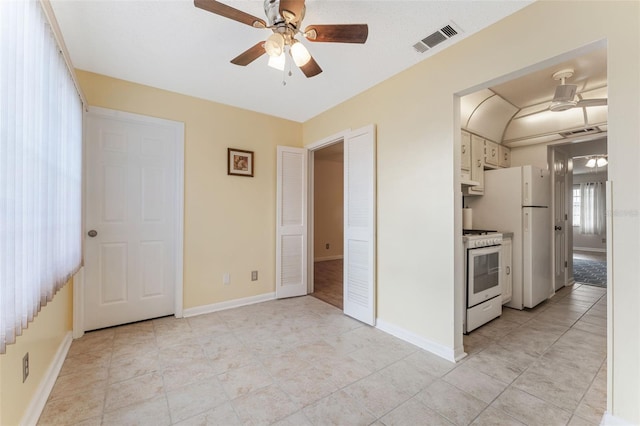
(566, 264)
(566, 217)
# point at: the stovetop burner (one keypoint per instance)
(477, 232)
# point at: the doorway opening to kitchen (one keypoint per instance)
(512, 115)
(328, 224)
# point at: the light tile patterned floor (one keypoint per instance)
(302, 362)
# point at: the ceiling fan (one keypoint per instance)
(285, 19)
(565, 95)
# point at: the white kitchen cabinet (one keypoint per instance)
(507, 277)
(491, 154)
(505, 156)
(477, 165)
(465, 157)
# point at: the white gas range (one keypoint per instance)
(482, 265)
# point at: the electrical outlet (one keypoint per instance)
(254, 275)
(226, 278)
(327, 246)
(25, 367)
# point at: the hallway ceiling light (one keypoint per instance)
(597, 161)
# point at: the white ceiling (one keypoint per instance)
(590, 74)
(516, 112)
(172, 45)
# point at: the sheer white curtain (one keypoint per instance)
(592, 208)
(40, 167)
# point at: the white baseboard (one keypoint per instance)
(34, 410)
(611, 420)
(325, 258)
(236, 303)
(598, 250)
(426, 344)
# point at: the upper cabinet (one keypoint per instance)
(491, 154)
(505, 156)
(465, 151)
(477, 165)
(476, 155)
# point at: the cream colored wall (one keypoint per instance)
(229, 220)
(535, 155)
(417, 160)
(42, 340)
(328, 208)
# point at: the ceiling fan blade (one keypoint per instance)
(230, 12)
(311, 68)
(294, 7)
(338, 33)
(591, 102)
(249, 55)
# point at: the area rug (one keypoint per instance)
(591, 272)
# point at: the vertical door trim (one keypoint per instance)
(567, 195)
(178, 142)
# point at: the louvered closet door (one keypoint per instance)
(360, 224)
(291, 228)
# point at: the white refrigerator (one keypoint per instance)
(517, 200)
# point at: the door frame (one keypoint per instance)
(178, 142)
(311, 149)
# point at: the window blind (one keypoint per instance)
(40, 168)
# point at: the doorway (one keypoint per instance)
(293, 215)
(588, 212)
(133, 218)
(328, 224)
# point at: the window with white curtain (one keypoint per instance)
(592, 208)
(576, 205)
(40, 167)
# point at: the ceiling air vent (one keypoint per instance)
(437, 37)
(579, 132)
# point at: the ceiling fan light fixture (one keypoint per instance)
(557, 106)
(601, 162)
(591, 163)
(274, 46)
(300, 54)
(277, 62)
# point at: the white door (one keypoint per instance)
(560, 219)
(130, 224)
(360, 225)
(291, 227)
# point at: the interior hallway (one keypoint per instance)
(300, 361)
(327, 282)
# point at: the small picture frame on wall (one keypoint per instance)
(239, 162)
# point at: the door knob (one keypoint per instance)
(557, 228)
(92, 233)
